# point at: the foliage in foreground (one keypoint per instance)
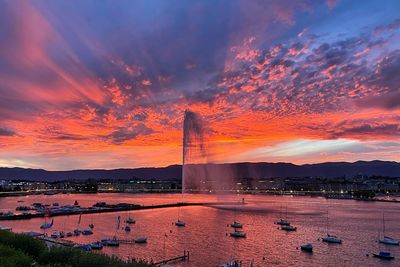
(21, 250)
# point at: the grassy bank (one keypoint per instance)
(21, 250)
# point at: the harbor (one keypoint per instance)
(207, 229)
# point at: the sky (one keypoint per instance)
(105, 84)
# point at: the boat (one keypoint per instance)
(61, 234)
(236, 224)
(141, 240)
(5, 228)
(307, 247)
(282, 222)
(91, 226)
(383, 255)
(96, 245)
(54, 235)
(386, 239)
(238, 234)
(288, 227)
(110, 242)
(389, 241)
(69, 234)
(180, 223)
(127, 228)
(76, 203)
(77, 232)
(47, 225)
(234, 263)
(87, 232)
(331, 239)
(55, 204)
(130, 221)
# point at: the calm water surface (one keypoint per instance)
(205, 235)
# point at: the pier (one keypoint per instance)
(113, 208)
(184, 257)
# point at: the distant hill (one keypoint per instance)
(237, 170)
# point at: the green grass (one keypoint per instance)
(21, 250)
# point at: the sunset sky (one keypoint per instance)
(104, 84)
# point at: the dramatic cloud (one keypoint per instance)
(109, 82)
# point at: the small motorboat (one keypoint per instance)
(238, 234)
(331, 239)
(141, 240)
(87, 232)
(389, 241)
(69, 234)
(77, 232)
(384, 255)
(5, 228)
(180, 223)
(91, 226)
(61, 234)
(288, 227)
(282, 222)
(55, 204)
(54, 235)
(96, 245)
(127, 228)
(236, 224)
(307, 247)
(130, 221)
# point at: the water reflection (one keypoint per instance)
(206, 234)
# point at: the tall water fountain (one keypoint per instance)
(198, 173)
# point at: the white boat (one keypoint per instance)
(288, 227)
(386, 239)
(307, 247)
(389, 241)
(180, 223)
(332, 239)
(5, 228)
(141, 240)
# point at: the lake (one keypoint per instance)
(206, 234)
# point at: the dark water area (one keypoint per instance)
(206, 234)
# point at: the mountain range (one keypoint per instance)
(237, 170)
